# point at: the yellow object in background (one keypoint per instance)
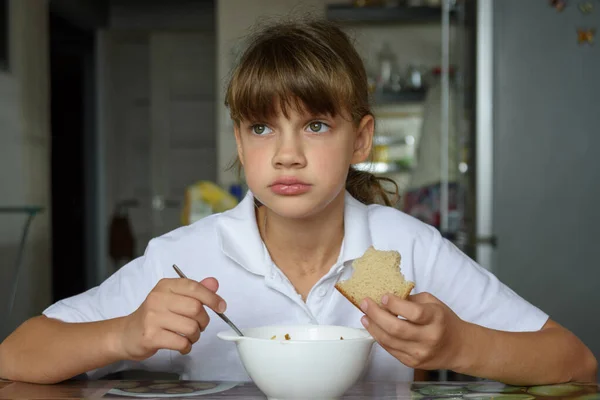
(381, 153)
(203, 199)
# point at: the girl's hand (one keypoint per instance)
(172, 317)
(431, 337)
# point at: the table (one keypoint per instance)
(231, 390)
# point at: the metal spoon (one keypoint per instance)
(223, 316)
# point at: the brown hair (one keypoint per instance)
(311, 65)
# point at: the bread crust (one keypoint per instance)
(356, 302)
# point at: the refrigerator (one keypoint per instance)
(525, 119)
(499, 153)
(538, 135)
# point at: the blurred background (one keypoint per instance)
(113, 131)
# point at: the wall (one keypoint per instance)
(25, 160)
(546, 170)
(11, 191)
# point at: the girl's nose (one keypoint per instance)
(289, 152)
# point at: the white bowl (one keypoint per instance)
(314, 364)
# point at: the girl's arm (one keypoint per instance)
(551, 355)
(432, 336)
(45, 350)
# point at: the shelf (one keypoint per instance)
(382, 167)
(408, 15)
(32, 210)
(393, 140)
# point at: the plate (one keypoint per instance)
(167, 389)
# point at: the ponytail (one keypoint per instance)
(369, 189)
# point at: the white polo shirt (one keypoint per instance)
(228, 247)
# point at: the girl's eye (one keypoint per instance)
(318, 127)
(260, 129)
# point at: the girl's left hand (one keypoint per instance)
(431, 337)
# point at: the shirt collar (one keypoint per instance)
(240, 240)
(357, 230)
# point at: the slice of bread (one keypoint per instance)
(375, 274)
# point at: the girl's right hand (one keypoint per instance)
(172, 317)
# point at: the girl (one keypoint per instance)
(299, 102)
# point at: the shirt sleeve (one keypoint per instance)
(120, 295)
(472, 292)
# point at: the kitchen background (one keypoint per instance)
(113, 131)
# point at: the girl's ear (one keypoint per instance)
(238, 142)
(363, 142)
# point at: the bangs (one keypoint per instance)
(290, 72)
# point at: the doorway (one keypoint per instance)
(71, 124)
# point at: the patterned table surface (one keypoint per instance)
(236, 390)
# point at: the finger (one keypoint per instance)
(181, 325)
(172, 341)
(424, 298)
(414, 312)
(387, 341)
(402, 350)
(211, 284)
(390, 323)
(196, 290)
(404, 358)
(189, 307)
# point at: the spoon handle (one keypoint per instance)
(223, 316)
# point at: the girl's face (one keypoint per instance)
(296, 167)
